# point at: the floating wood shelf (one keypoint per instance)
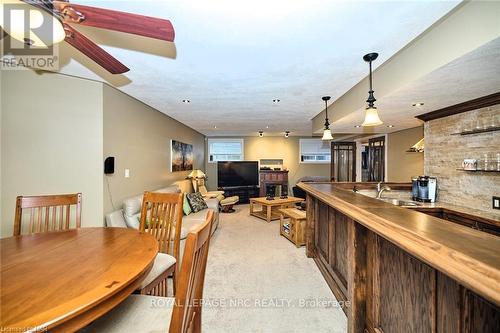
(477, 131)
(478, 170)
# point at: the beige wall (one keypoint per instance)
(401, 165)
(51, 129)
(444, 154)
(138, 136)
(256, 148)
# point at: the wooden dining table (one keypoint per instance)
(64, 280)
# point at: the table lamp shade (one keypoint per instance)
(197, 174)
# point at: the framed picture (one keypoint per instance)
(181, 156)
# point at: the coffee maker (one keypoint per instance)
(424, 188)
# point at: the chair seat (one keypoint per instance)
(138, 313)
(230, 200)
(162, 262)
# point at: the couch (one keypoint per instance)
(129, 215)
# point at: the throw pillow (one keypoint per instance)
(196, 202)
(185, 206)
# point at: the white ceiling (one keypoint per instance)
(231, 58)
(473, 75)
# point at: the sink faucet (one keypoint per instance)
(381, 189)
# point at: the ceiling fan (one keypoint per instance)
(64, 13)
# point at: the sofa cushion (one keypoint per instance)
(196, 202)
(169, 189)
(132, 206)
(185, 206)
(133, 221)
(115, 219)
(212, 203)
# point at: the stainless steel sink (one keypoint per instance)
(398, 202)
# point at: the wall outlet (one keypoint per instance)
(127, 173)
(496, 202)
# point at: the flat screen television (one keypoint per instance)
(231, 174)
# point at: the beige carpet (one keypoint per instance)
(258, 281)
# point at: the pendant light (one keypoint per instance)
(371, 112)
(327, 133)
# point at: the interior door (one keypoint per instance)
(343, 165)
(376, 159)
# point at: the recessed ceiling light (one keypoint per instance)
(357, 126)
(215, 126)
(417, 104)
(276, 100)
(187, 101)
(267, 126)
(390, 126)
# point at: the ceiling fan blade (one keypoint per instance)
(114, 20)
(93, 51)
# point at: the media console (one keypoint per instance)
(244, 192)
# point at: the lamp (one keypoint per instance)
(371, 112)
(327, 133)
(195, 177)
(42, 29)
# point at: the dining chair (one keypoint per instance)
(144, 313)
(47, 213)
(161, 216)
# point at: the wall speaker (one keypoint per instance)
(109, 165)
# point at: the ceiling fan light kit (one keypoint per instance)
(371, 113)
(60, 13)
(327, 133)
(46, 35)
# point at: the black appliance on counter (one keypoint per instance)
(424, 188)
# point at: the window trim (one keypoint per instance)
(314, 161)
(210, 140)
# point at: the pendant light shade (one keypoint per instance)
(327, 133)
(371, 117)
(371, 112)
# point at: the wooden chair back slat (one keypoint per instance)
(41, 219)
(186, 315)
(161, 216)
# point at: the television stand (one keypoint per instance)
(244, 192)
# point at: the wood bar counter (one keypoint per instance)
(401, 270)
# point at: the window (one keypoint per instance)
(314, 151)
(225, 150)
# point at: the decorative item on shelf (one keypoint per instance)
(198, 178)
(327, 133)
(469, 164)
(371, 112)
(417, 147)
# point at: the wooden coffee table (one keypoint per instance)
(270, 208)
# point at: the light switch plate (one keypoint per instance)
(496, 202)
(127, 173)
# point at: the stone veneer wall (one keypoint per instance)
(444, 153)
